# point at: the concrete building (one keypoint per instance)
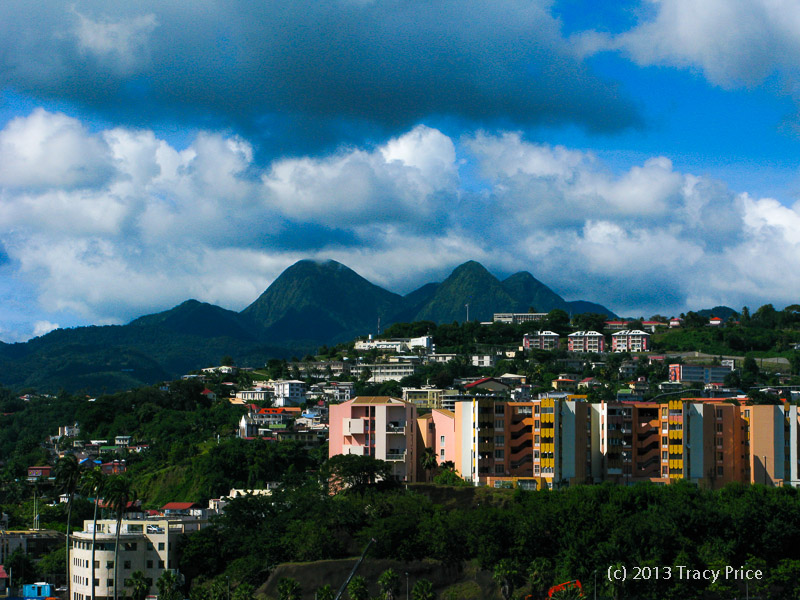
(586, 341)
(698, 373)
(546, 441)
(540, 340)
(288, 392)
(425, 397)
(516, 318)
(148, 545)
(383, 372)
(378, 426)
(630, 340)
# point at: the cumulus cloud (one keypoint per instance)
(307, 72)
(734, 44)
(164, 224)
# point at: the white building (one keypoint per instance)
(289, 392)
(396, 344)
(147, 545)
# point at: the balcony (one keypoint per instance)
(396, 427)
(395, 455)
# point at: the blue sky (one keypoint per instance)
(643, 155)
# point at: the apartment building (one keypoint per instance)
(383, 372)
(630, 340)
(437, 430)
(516, 318)
(586, 341)
(540, 340)
(147, 544)
(548, 441)
(378, 426)
(288, 392)
(425, 397)
(698, 373)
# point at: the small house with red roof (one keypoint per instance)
(487, 384)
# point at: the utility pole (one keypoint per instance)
(467, 305)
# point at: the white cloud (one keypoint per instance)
(734, 43)
(401, 181)
(42, 327)
(162, 225)
(46, 150)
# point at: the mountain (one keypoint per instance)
(323, 302)
(311, 303)
(470, 284)
(723, 312)
(525, 288)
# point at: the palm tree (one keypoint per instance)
(168, 586)
(139, 585)
(429, 460)
(326, 592)
(506, 573)
(68, 474)
(289, 589)
(118, 495)
(389, 582)
(540, 574)
(92, 485)
(423, 590)
(357, 589)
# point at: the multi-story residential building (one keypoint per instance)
(257, 395)
(516, 318)
(424, 397)
(540, 340)
(440, 358)
(378, 426)
(148, 545)
(383, 372)
(397, 344)
(698, 373)
(586, 341)
(258, 422)
(547, 440)
(437, 430)
(483, 360)
(630, 340)
(288, 392)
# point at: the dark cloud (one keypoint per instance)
(307, 72)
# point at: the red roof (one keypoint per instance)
(474, 383)
(271, 411)
(206, 392)
(179, 505)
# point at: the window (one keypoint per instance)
(499, 409)
(498, 469)
(441, 440)
(96, 582)
(149, 564)
(536, 439)
(160, 545)
(720, 456)
(499, 454)
(719, 427)
(126, 564)
(97, 566)
(499, 439)
(720, 471)
(109, 583)
(499, 424)
(665, 455)
(536, 409)
(441, 453)
(109, 564)
(161, 564)
(719, 413)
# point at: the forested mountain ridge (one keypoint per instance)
(311, 303)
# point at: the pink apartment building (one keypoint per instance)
(378, 426)
(586, 341)
(630, 340)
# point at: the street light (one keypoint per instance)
(406, 585)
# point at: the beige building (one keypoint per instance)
(147, 545)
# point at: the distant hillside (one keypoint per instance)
(723, 312)
(311, 303)
(321, 301)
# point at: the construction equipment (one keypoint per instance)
(353, 572)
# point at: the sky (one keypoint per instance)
(639, 154)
